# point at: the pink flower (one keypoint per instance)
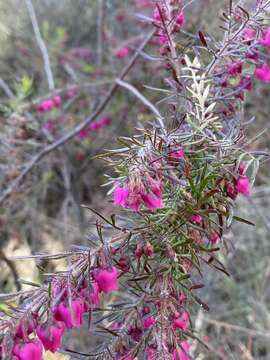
(182, 322)
(242, 185)
(263, 73)
(71, 317)
(57, 100)
(24, 329)
(122, 53)
(106, 279)
(51, 336)
(46, 105)
(30, 350)
(149, 322)
(83, 134)
(214, 238)
(197, 219)
(152, 202)
(90, 297)
(105, 121)
(265, 41)
(181, 353)
(178, 153)
(121, 196)
(246, 83)
(156, 14)
(163, 39)
(151, 353)
(252, 55)
(235, 69)
(180, 19)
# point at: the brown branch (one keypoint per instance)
(80, 126)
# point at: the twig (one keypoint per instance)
(41, 44)
(100, 25)
(143, 99)
(250, 332)
(79, 127)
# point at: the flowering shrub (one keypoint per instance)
(176, 189)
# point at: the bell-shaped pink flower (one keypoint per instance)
(182, 322)
(122, 53)
(265, 40)
(242, 185)
(263, 73)
(181, 353)
(152, 202)
(71, 317)
(180, 19)
(106, 279)
(149, 322)
(51, 336)
(121, 196)
(30, 350)
(46, 105)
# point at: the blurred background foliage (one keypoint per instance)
(45, 215)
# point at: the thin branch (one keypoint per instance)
(100, 30)
(143, 99)
(41, 44)
(80, 126)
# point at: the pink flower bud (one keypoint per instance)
(57, 100)
(235, 69)
(197, 219)
(106, 279)
(71, 317)
(30, 350)
(149, 322)
(178, 153)
(181, 322)
(148, 249)
(242, 185)
(181, 353)
(180, 19)
(214, 238)
(51, 336)
(122, 53)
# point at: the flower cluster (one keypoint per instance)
(96, 125)
(33, 334)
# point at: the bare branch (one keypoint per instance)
(41, 44)
(143, 99)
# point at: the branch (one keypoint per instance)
(80, 126)
(143, 99)
(41, 44)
